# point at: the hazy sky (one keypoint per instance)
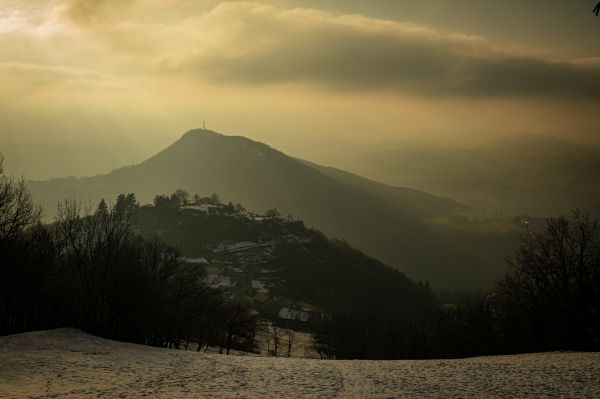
(86, 70)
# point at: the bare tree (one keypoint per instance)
(17, 210)
(276, 335)
(239, 325)
(182, 197)
(290, 341)
(296, 311)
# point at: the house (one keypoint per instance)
(289, 313)
(217, 280)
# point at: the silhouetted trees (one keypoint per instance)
(272, 213)
(102, 208)
(138, 289)
(90, 269)
(26, 257)
(126, 204)
(166, 202)
(550, 298)
(182, 196)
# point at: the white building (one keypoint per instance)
(288, 313)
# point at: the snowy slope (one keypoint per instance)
(67, 363)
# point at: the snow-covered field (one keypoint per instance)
(67, 363)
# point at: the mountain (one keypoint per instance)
(534, 174)
(391, 224)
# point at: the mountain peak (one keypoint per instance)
(195, 138)
(200, 132)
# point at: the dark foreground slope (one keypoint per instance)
(372, 217)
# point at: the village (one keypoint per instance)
(241, 270)
(249, 271)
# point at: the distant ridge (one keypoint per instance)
(536, 174)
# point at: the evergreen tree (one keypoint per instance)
(102, 209)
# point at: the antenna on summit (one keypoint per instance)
(203, 125)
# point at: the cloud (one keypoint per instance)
(259, 44)
(254, 43)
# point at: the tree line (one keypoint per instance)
(91, 270)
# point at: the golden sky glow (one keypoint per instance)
(81, 70)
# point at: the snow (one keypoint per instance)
(200, 207)
(67, 363)
(202, 261)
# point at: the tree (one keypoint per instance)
(550, 298)
(102, 209)
(276, 333)
(126, 204)
(17, 210)
(182, 197)
(296, 310)
(240, 326)
(272, 213)
(290, 341)
(166, 202)
(93, 247)
(215, 199)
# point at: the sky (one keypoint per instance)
(146, 71)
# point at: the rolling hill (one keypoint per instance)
(389, 223)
